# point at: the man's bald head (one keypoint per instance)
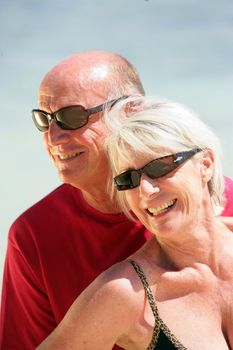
(104, 73)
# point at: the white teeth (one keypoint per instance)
(162, 208)
(68, 156)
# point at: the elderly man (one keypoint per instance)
(60, 244)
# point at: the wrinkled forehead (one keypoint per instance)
(53, 99)
(57, 94)
(58, 90)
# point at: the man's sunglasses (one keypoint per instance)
(69, 118)
(156, 168)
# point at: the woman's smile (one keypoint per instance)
(162, 208)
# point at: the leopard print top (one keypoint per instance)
(162, 338)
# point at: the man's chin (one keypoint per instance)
(70, 180)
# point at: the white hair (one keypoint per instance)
(144, 125)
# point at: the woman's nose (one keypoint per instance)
(148, 186)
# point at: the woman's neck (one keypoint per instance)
(199, 244)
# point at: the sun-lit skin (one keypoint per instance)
(79, 155)
(188, 194)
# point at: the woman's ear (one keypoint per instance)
(207, 165)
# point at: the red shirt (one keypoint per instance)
(55, 249)
(228, 210)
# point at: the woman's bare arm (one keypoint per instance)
(96, 319)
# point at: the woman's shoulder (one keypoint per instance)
(119, 280)
(143, 264)
(121, 288)
(115, 290)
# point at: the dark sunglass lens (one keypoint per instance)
(159, 168)
(40, 120)
(129, 179)
(72, 118)
(135, 178)
(122, 181)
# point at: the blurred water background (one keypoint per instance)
(183, 50)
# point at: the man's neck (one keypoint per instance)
(102, 202)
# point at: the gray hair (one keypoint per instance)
(143, 125)
(124, 79)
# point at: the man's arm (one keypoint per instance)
(26, 314)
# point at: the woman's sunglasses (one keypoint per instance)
(69, 118)
(156, 168)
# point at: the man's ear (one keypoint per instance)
(136, 105)
(207, 165)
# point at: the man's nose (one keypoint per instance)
(57, 135)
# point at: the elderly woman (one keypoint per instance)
(176, 291)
